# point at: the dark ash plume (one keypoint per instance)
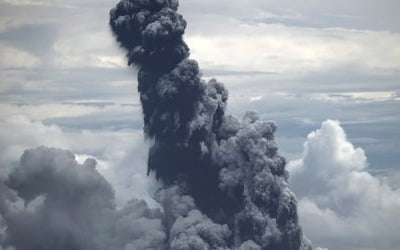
(228, 168)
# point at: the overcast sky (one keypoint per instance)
(65, 83)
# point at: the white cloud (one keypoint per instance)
(341, 205)
(121, 155)
(261, 14)
(357, 97)
(372, 95)
(45, 111)
(18, 133)
(66, 110)
(90, 52)
(14, 58)
(286, 49)
(27, 2)
(392, 178)
(44, 3)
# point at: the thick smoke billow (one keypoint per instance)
(51, 202)
(225, 185)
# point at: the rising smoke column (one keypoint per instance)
(228, 169)
(181, 112)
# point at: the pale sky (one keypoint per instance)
(65, 83)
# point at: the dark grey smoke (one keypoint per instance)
(51, 202)
(229, 166)
(224, 185)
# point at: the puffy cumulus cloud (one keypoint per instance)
(327, 154)
(355, 209)
(57, 203)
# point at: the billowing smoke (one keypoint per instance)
(223, 183)
(228, 168)
(51, 202)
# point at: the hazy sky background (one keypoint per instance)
(65, 83)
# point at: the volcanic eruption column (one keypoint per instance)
(224, 184)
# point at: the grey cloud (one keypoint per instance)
(60, 204)
(350, 14)
(28, 87)
(110, 117)
(37, 39)
(121, 154)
